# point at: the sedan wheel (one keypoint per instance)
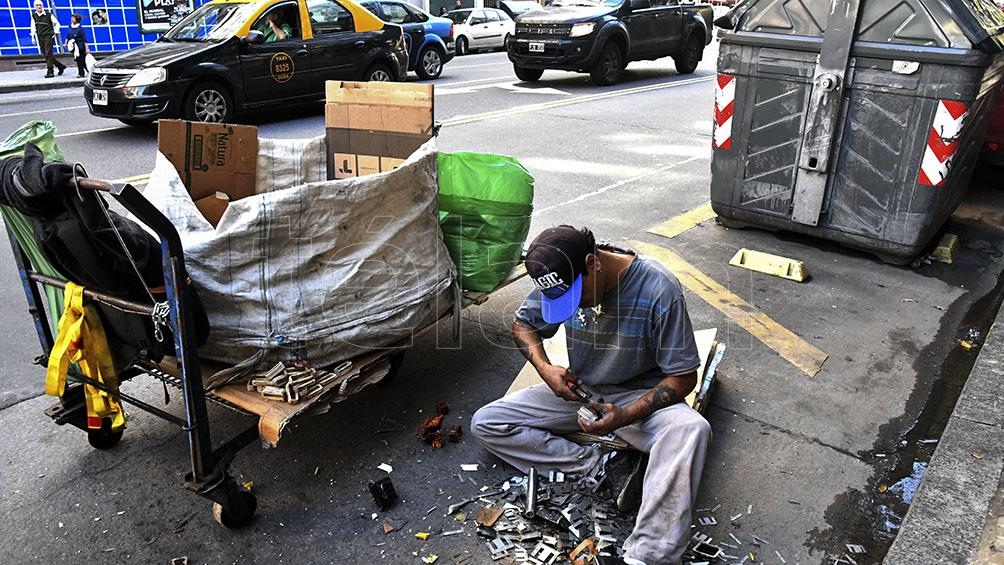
(378, 73)
(430, 64)
(209, 102)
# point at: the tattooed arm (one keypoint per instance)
(669, 391)
(530, 344)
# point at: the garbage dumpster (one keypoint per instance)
(858, 122)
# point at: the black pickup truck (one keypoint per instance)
(602, 36)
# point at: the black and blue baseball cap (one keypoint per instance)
(555, 262)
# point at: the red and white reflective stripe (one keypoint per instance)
(725, 96)
(942, 142)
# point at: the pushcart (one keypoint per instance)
(208, 474)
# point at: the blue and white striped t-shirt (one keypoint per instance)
(639, 334)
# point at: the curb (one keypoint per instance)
(950, 511)
(32, 86)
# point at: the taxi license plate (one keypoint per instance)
(536, 47)
(100, 98)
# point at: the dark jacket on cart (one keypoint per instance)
(76, 231)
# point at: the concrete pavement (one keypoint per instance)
(957, 515)
(34, 79)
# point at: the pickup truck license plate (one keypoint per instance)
(100, 98)
(536, 47)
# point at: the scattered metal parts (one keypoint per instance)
(499, 548)
(555, 476)
(776, 552)
(737, 540)
(707, 550)
(736, 517)
(760, 541)
(530, 509)
(383, 493)
(544, 553)
(855, 548)
(707, 521)
(584, 554)
(453, 532)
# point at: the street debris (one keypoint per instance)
(855, 548)
(183, 560)
(383, 493)
(388, 528)
(422, 535)
(469, 467)
(431, 558)
(488, 516)
(430, 430)
(385, 467)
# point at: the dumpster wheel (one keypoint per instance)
(237, 513)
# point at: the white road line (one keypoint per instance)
(73, 94)
(89, 131)
(506, 62)
(616, 185)
(528, 108)
(472, 81)
(11, 115)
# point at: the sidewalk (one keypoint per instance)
(34, 79)
(957, 515)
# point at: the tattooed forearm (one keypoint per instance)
(523, 345)
(662, 396)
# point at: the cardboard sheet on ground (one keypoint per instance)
(557, 351)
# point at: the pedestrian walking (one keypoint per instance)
(76, 44)
(44, 29)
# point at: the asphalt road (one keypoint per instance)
(811, 463)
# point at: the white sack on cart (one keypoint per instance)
(314, 269)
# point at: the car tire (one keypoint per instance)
(608, 67)
(136, 122)
(527, 75)
(209, 101)
(378, 72)
(462, 45)
(687, 61)
(505, 42)
(430, 63)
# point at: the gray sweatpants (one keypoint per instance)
(521, 429)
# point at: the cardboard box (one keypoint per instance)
(373, 127)
(213, 207)
(211, 158)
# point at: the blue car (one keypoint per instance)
(429, 39)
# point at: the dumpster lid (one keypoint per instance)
(963, 24)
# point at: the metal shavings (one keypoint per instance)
(736, 517)
(779, 556)
(736, 539)
(760, 541)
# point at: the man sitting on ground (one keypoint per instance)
(630, 342)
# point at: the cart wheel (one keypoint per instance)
(248, 503)
(104, 438)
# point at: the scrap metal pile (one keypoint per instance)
(297, 381)
(538, 521)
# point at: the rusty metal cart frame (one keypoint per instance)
(208, 474)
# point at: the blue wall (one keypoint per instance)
(119, 34)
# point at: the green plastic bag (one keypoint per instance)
(485, 203)
(41, 134)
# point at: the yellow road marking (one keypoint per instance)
(138, 179)
(786, 343)
(684, 222)
(528, 108)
